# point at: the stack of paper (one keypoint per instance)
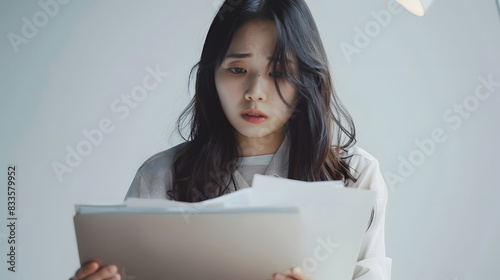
(248, 234)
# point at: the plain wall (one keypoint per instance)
(402, 84)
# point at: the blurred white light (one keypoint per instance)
(416, 7)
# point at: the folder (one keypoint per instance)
(248, 234)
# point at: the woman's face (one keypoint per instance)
(245, 84)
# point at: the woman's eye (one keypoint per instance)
(237, 70)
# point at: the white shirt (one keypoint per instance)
(154, 178)
(252, 165)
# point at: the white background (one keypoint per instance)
(442, 220)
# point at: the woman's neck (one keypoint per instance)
(257, 146)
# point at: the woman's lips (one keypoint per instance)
(253, 116)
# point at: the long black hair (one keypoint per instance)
(319, 127)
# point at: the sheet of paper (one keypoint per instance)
(235, 200)
(334, 219)
(331, 218)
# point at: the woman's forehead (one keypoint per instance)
(256, 36)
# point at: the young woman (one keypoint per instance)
(264, 103)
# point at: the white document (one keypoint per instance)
(248, 234)
(335, 219)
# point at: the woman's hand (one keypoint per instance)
(93, 271)
(295, 273)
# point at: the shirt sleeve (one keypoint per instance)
(372, 262)
(154, 178)
(139, 187)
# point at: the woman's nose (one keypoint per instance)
(257, 89)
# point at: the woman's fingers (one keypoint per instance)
(116, 277)
(91, 271)
(106, 272)
(280, 276)
(86, 270)
(296, 273)
(299, 273)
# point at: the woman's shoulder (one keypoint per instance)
(357, 158)
(364, 167)
(162, 160)
(154, 177)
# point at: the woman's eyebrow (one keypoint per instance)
(238, 55)
(246, 55)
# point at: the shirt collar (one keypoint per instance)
(278, 167)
